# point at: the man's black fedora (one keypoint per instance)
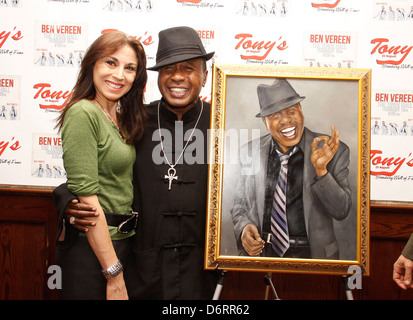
(276, 97)
(179, 44)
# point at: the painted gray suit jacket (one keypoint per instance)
(324, 199)
(408, 249)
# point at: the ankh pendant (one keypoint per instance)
(171, 176)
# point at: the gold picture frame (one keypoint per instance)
(332, 95)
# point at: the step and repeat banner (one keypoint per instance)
(42, 43)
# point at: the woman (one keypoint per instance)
(100, 125)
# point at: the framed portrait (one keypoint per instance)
(320, 117)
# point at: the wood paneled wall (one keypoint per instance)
(27, 246)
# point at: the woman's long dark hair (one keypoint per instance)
(132, 114)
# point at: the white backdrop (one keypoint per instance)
(41, 42)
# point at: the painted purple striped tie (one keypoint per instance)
(279, 225)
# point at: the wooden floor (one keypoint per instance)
(27, 245)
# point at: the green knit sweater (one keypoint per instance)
(97, 160)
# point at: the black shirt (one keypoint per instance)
(170, 236)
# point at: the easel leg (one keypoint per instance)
(349, 293)
(268, 282)
(220, 284)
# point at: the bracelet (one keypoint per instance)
(113, 270)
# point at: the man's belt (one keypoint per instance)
(299, 242)
(124, 222)
(294, 241)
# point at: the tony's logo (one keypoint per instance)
(189, 1)
(394, 55)
(387, 166)
(15, 35)
(257, 50)
(13, 145)
(52, 99)
(325, 5)
(146, 39)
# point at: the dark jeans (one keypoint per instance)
(82, 277)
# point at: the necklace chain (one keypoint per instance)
(172, 171)
(110, 119)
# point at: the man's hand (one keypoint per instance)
(320, 157)
(251, 240)
(402, 272)
(82, 213)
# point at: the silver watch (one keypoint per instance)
(113, 270)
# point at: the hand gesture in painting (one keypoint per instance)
(320, 157)
(402, 272)
(251, 240)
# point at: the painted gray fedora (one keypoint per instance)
(276, 97)
(179, 44)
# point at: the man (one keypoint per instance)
(3, 113)
(317, 189)
(170, 177)
(375, 128)
(384, 129)
(404, 129)
(403, 267)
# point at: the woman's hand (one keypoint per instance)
(116, 288)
